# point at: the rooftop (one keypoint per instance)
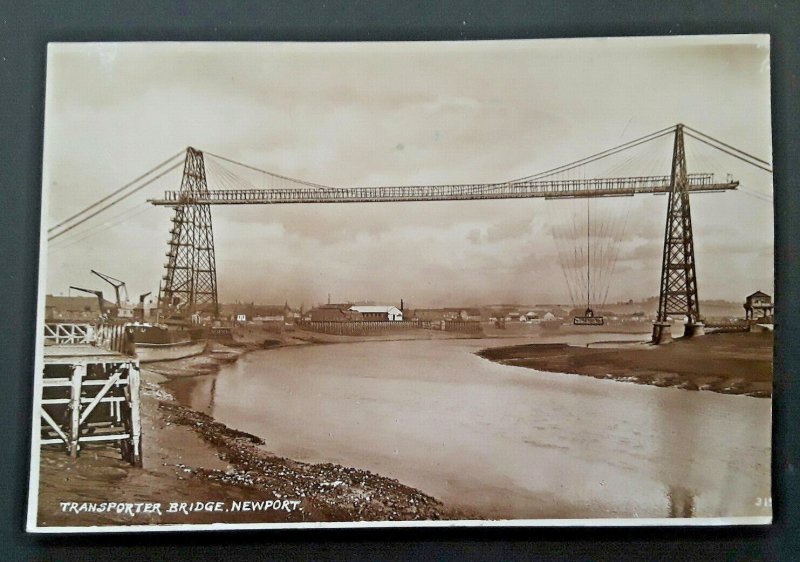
(374, 308)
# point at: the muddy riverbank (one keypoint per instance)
(188, 458)
(738, 363)
(502, 441)
(570, 447)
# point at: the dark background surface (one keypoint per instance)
(24, 33)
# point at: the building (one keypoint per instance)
(74, 308)
(471, 314)
(378, 312)
(251, 312)
(334, 313)
(427, 314)
(758, 307)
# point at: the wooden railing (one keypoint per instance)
(68, 334)
(113, 337)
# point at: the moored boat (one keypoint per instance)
(155, 342)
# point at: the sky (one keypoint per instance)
(351, 114)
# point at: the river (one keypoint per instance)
(498, 441)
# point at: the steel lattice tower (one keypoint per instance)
(678, 294)
(190, 277)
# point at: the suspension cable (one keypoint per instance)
(273, 174)
(110, 195)
(734, 154)
(599, 155)
(118, 200)
(727, 145)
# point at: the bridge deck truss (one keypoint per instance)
(548, 189)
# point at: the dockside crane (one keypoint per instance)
(124, 309)
(99, 294)
(139, 311)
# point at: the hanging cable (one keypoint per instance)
(686, 127)
(122, 215)
(599, 155)
(295, 180)
(734, 154)
(129, 214)
(115, 192)
(116, 201)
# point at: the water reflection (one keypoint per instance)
(681, 502)
(505, 442)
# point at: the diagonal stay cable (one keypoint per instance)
(273, 174)
(78, 233)
(125, 216)
(727, 145)
(118, 200)
(602, 154)
(115, 192)
(734, 154)
(756, 195)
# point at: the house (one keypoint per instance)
(271, 318)
(74, 308)
(378, 312)
(273, 322)
(451, 314)
(334, 313)
(758, 306)
(244, 312)
(427, 314)
(470, 314)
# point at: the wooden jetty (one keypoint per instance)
(90, 390)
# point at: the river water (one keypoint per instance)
(495, 440)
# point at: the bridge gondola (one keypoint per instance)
(588, 319)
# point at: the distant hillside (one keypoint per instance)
(708, 308)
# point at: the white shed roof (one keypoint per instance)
(372, 308)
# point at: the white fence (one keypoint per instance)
(113, 337)
(60, 334)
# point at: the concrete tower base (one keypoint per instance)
(662, 333)
(694, 330)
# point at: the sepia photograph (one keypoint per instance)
(472, 283)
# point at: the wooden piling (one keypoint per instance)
(79, 379)
(78, 371)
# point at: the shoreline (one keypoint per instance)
(723, 363)
(190, 457)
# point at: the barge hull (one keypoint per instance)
(150, 352)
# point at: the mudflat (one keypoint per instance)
(735, 363)
(189, 458)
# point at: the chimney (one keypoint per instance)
(401, 305)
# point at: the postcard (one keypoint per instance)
(493, 283)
